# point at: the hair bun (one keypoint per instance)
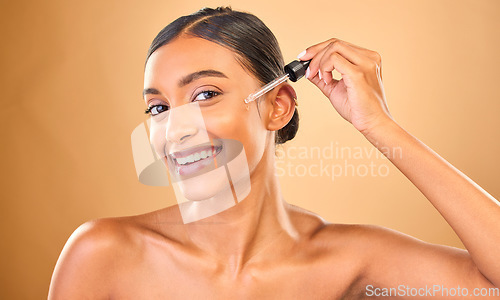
(289, 131)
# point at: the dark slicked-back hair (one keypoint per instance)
(255, 46)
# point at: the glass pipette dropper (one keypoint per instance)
(293, 71)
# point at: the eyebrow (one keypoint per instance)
(188, 79)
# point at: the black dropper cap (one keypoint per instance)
(296, 69)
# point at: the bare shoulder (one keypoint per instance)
(386, 258)
(332, 234)
(98, 251)
(365, 234)
(336, 246)
(362, 242)
(87, 260)
(378, 246)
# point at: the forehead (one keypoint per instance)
(187, 54)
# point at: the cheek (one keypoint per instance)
(225, 126)
(157, 139)
(242, 126)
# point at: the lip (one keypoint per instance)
(189, 151)
(195, 167)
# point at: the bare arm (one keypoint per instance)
(474, 214)
(412, 267)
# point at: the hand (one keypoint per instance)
(359, 96)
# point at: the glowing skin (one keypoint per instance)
(263, 247)
(225, 115)
(198, 180)
(208, 112)
(208, 175)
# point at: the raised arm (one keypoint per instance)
(472, 213)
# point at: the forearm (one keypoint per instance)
(472, 213)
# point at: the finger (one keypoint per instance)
(311, 51)
(354, 56)
(341, 64)
(331, 84)
(315, 49)
(314, 65)
(373, 55)
(322, 64)
(320, 83)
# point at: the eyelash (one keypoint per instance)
(214, 94)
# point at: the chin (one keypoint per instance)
(204, 187)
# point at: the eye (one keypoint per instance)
(156, 109)
(205, 95)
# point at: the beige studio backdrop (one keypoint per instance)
(72, 76)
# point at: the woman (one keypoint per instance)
(263, 247)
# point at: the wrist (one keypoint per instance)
(380, 125)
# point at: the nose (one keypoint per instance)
(181, 125)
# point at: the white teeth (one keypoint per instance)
(195, 157)
(189, 159)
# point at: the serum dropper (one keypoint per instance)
(293, 71)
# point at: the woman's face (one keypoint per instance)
(208, 78)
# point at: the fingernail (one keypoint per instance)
(301, 54)
(319, 74)
(325, 82)
(307, 73)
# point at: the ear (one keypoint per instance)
(282, 102)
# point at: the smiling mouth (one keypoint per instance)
(194, 160)
(194, 157)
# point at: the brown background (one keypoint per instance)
(71, 81)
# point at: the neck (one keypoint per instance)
(241, 233)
